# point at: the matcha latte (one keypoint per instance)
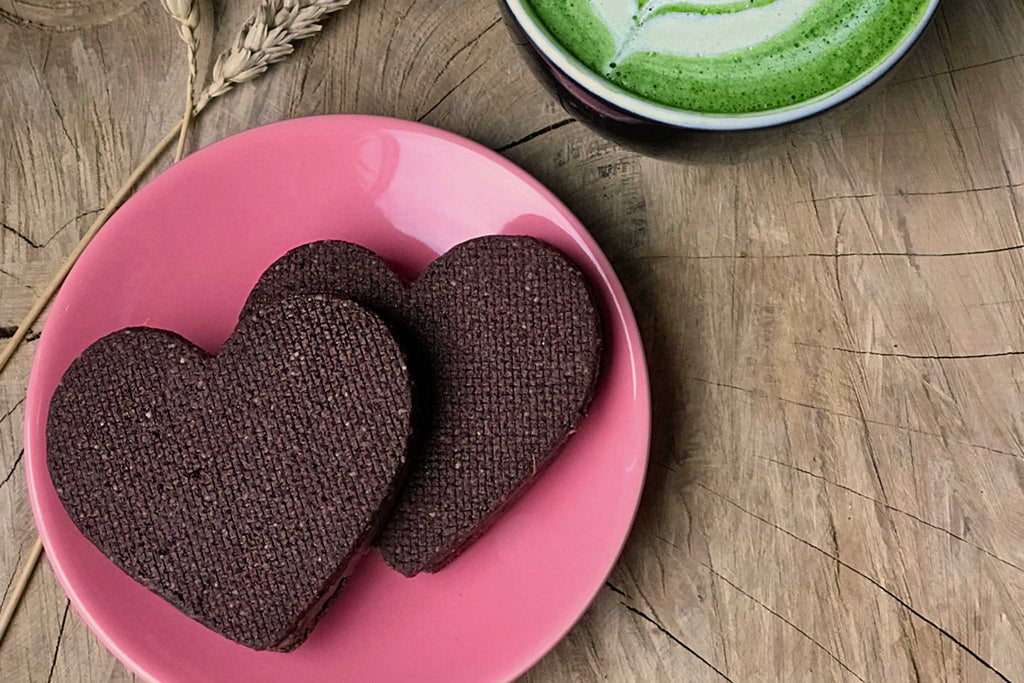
(731, 56)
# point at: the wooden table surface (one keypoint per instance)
(835, 330)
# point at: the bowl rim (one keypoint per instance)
(598, 86)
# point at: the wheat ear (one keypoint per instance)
(186, 14)
(265, 38)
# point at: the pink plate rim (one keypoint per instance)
(36, 405)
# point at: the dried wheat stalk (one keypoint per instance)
(186, 13)
(265, 38)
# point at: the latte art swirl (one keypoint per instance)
(731, 56)
(702, 29)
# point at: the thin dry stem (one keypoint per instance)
(19, 587)
(186, 14)
(186, 119)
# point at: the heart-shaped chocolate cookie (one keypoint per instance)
(240, 487)
(504, 341)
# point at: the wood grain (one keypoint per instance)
(836, 330)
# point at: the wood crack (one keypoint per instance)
(536, 134)
(668, 542)
(643, 596)
(63, 125)
(103, 63)
(448, 94)
(14, 468)
(956, 70)
(20, 235)
(675, 639)
(786, 621)
(820, 254)
(931, 193)
(60, 636)
(10, 581)
(615, 589)
(60, 117)
(391, 39)
(9, 331)
(1013, 197)
(913, 664)
(915, 356)
(16, 279)
(472, 41)
(71, 221)
(836, 413)
(718, 615)
(953, 639)
(15, 406)
(833, 533)
(887, 506)
(304, 73)
(871, 449)
(591, 640)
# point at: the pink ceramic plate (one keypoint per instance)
(182, 255)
